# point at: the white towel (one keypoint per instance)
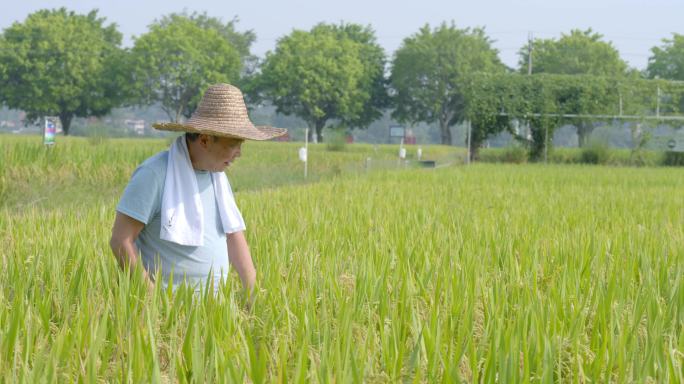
(182, 215)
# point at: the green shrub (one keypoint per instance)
(565, 156)
(515, 153)
(336, 139)
(595, 152)
(673, 159)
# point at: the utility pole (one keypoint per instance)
(529, 53)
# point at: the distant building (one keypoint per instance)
(136, 126)
(409, 137)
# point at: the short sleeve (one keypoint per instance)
(142, 197)
(235, 221)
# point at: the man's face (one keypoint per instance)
(220, 152)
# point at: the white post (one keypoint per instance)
(402, 152)
(306, 149)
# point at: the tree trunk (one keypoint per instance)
(539, 142)
(319, 130)
(583, 132)
(65, 119)
(316, 128)
(475, 144)
(314, 136)
(445, 131)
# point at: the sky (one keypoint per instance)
(633, 26)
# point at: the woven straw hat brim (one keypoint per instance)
(220, 130)
(222, 112)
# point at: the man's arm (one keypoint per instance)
(124, 233)
(241, 259)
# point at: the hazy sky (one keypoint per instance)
(633, 26)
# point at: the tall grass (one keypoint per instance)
(78, 170)
(525, 273)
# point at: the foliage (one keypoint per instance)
(577, 53)
(667, 61)
(673, 159)
(515, 153)
(331, 72)
(495, 101)
(596, 152)
(372, 56)
(241, 41)
(336, 139)
(177, 60)
(59, 63)
(428, 71)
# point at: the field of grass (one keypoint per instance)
(79, 169)
(491, 272)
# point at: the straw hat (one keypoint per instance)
(222, 112)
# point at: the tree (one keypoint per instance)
(577, 53)
(373, 58)
(178, 59)
(60, 63)
(542, 99)
(331, 72)
(241, 41)
(429, 69)
(667, 61)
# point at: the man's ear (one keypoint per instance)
(203, 140)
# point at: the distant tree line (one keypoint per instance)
(60, 63)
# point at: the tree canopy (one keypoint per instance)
(429, 69)
(333, 72)
(241, 41)
(577, 53)
(177, 60)
(61, 63)
(667, 61)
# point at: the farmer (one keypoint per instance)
(178, 214)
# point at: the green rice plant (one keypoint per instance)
(484, 273)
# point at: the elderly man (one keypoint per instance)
(178, 214)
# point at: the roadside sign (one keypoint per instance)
(670, 143)
(50, 131)
(397, 131)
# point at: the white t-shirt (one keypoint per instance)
(141, 201)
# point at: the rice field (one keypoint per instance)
(484, 273)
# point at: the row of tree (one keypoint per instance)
(61, 63)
